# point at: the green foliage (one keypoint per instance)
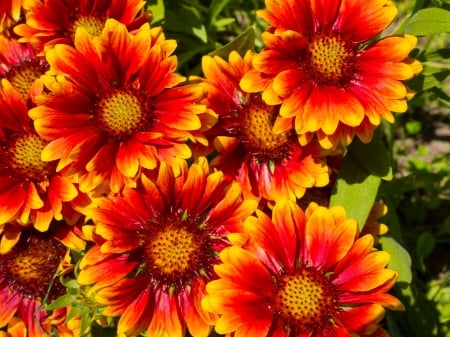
(202, 27)
(429, 21)
(400, 259)
(241, 44)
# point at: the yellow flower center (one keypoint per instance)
(31, 264)
(331, 58)
(92, 25)
(27, 155)
(172, 250)
(305, 299)
(177, 250)
(121, 113)
(257, 132)
(23, 77)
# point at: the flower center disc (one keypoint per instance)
(173, 250)
(257, 130)
(92, 25)
(27, 155)
(121, 113)
(31, 264)
(23, 76)
(331, 58)
(305, 299)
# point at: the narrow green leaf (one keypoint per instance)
(425, 244)
(443, 98)
(372, 156)
(242, 43)
(224, 22)
(429, 21)
(186, 21)
(436, 55)
(201, 33)
(215, 8)
(355, 190)
(86, 324)
(61, 302)
(427, 81)
(400, 259)
(74, 311)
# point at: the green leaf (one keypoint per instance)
(425, 244)
(215, 8)
(372, 156)
(413, 127)
(400, 259)
(157, 9)
(355, 190)
(201, 33)
(436, 55)
(429, 21)
(62, 302)
(427, 81)
(186, 21)
(86, 323)
(242, 43)
(224, 22)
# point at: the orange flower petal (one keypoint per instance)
(287, 81)
(363, 319)
(9, 238)
(165, 320)
(127, 158)
(136, 318)
(325, 11)
(375, 14)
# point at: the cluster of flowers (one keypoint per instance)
(193, 203)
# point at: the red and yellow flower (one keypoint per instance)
(20, 65)
(322, 64)
(49, 22)
(269, 164)
(156, 247)
(32, 193)
(302, 274)
(116, 106)
(27, 275)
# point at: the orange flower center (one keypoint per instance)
(23, 76)
(27, 155)
(91, 24)
(305, 299)
(121, 113)
(177, 251)
(172, 250)
(331, 59)
(31, 264)
(257, 132)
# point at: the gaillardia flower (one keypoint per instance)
(27, 275)
(49, 22)
(157, 245)
(301, 274)
(31, 191)
(20, 65)
(271, 165)
(116, 106)
(323, 63)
